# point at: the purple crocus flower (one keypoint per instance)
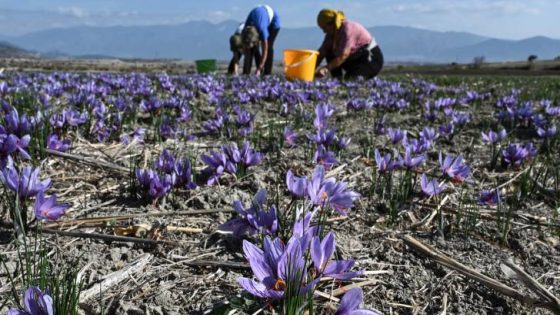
(10, 143)
(183, 170)
(410, 161)
(531, 149)
(546, 133)
(323, 136)
(74, 118)
(216, 163)
(54, 143)
(322, 113)
(290, 137)
(342, 143)
(36, 302)
(431, 187)
(17, 125)
(351, 301)
(157, 186)
(321, 253)
(418, 146)
(25, 185)
(396, 135)
(447, 130)
(492, 137)
(383, 161)
(165, 162)
(137, 135)
(48, 209)
(161, 185)
(429, 134)
(276, 267)
(324, 157)
(330, 192)
(248, 156)
(489, 197)
(454, 167)
(296, 185)
(253, 219)
(515, 154)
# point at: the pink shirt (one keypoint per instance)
(350, 36)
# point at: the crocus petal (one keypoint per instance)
(350, 301)
(260, 267)
(259, 289)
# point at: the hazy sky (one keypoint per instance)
(511, 19)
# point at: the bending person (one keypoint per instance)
(348, 47)
(261, 28)
(236, 47)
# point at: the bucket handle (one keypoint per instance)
(297, 64)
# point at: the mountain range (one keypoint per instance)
(204, 40)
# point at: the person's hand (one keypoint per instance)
(258, 72)
(321, 72)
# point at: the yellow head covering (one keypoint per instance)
(328, 16)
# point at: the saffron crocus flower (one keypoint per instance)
(48, 209)
(418, 146)
(216, 163)
(11, 143)
(74, 118)
(546, 133)
(447, 130)
(321, 253)
(36, 302)
(54, 143)
(165, 162)
(290, 137)
(248, 156)
(492, 137)
(330, 192)
(157, 186)
(322, 113)
(454, 167)
(410, 161)
(26, 184)
(161, 185)
(253, 219)
(489, 197)
(276, 267)
(342, 143)
(296, 185)
(324, 157)
(183, 170)
(323, 136)
(431, 187)
(382, 161)
(350, 303)
(429, 134)
(515, 154)
(396, 135)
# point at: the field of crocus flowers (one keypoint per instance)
(132, 193)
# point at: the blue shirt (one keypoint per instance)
(260, 18)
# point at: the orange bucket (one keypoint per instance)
(300, 64)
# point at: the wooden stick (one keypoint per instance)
(533, 284)
(94, 161)
(448, 262)
(116, 277)
(214, 263)
(344, 289)
(110, 238)
(97, 220)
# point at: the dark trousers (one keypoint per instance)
(272, 33)
(256, 54)
(365, 63)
